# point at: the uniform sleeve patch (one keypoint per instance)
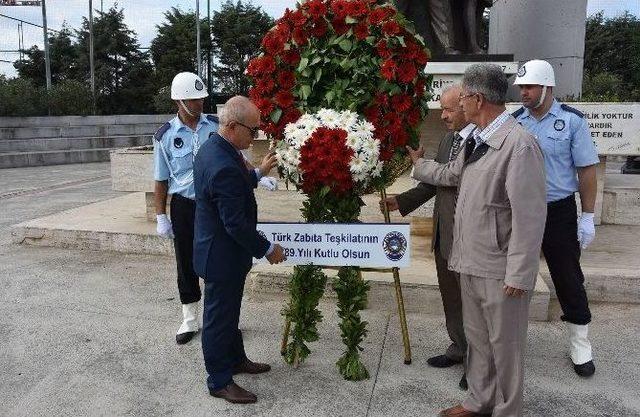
(158, 135)
(518, 112)
(571, 110)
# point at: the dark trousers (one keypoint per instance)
(449, 284)
(222, 344)
(561, 250)
(183, 213)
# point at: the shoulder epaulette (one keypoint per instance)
(571, 110)
(158, 135)
(213, 118)
(518, 112)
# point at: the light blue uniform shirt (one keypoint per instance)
(563, 134)
(175, 146)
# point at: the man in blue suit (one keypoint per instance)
(225, 242)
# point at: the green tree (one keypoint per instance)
(21, 97)
(173, 50)
(612, 58)
(237, 31)
(63, 55)
(69, 97)
(122, 71)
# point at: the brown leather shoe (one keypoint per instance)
(235, 394)
(458, 411)
(248, 367)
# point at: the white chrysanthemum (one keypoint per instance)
(364, 165)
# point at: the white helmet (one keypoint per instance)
(187, 86)
(536, 72)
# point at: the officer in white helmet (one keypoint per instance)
(175, 146)
(570, 158)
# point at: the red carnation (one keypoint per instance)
(356, 8)
(380, 14)
(284, 99)
(413, 117)
(401, 102)
(290, 56)
(422, 57)
(316, 8)
(264, 105)
(383, 49)
(391, 28)
(273, 42)
(382, 99)
(372, 114)
(407, 72)
(393, 121)
(361, 31)
(318, 28)
(340, 8)
(261, 65)
(339, 26)
(324, 161)
(299, 36)
(286, 80)
(388, 70)
(265, 85)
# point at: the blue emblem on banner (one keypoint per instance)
(394, 245)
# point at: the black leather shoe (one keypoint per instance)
(234, 394)
(183, 338)
(585, 370)
(463, 383)
(248, 367)
(442, 361)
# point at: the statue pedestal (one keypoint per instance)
(449, 69)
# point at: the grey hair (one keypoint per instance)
(488, 80)
(449, 88)
(235, 109)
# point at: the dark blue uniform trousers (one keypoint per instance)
(222, 344)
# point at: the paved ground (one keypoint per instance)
(90, 333)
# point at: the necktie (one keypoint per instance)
(455, 146)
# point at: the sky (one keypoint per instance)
(143, 15)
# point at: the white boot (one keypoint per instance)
(189, 325)
(579, 345)
(580, 349)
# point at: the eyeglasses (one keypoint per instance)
(255, 131)
(462, 96)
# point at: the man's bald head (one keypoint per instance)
(239, 119)
(238, 109)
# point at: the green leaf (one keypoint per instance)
(316, 60)
(304, 62)
(305, 91)
(345, 45)
(329, 96)
(350, 20)
(276, 114)
(318, 73)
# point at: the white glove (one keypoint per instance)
(269, 183)
(163, 227)
(586, 230)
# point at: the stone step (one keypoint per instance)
(61, 157)
(63, 121)
(59, 144)
(16, 133)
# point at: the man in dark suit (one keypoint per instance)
(444, 208)
(225, 242)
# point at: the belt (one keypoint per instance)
(182, 198)
(563, 202)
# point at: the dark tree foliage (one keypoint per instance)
(237, 31)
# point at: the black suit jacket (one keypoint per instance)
(225, 236)
(445, 204)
